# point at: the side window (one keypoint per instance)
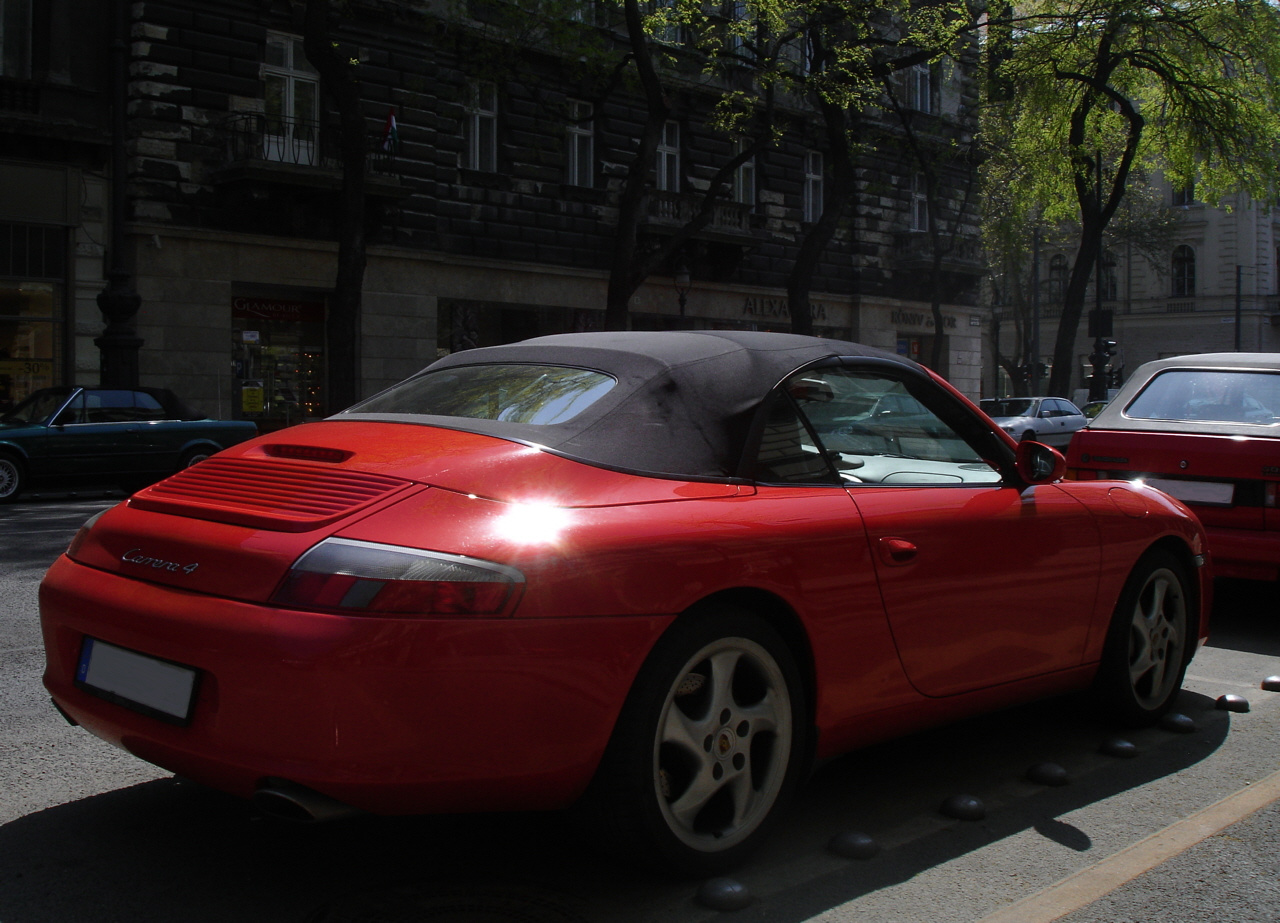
(72, 413)
(787, 453)
(146, 407)
(872, 430)
(110, 406)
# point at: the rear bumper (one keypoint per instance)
(393, 716)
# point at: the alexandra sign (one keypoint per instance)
(900, 318)
(778, 307)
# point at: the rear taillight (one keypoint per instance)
(364, 578)
(77, 540)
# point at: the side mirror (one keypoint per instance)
(1037, 463)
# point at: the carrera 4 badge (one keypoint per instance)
(135, 556)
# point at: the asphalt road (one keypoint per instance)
(1184, 829)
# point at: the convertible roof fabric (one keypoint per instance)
(683, 405)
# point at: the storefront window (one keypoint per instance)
(277, 361)
(32, 268)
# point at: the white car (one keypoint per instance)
(1051, 420)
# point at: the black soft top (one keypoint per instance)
(683, 405)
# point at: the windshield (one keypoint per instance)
(1218, 396)
(1013, 407)
(39, 407)
(538, 394)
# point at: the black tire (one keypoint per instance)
(708, 747)
(1149, 643)
(1028, 436)
(13, 478)
(194, 457)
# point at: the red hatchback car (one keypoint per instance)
(1205, 429)
(652, 575)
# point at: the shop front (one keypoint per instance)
(278, 364)
(32, 310)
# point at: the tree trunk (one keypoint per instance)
(342, 325)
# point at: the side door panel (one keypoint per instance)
(982, 585)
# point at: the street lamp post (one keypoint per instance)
(682, 286)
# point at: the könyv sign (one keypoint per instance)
(918, 319)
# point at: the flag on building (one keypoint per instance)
(390, 133)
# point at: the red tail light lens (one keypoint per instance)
(364, 578)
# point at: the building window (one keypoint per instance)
(482, 126)
(15, 39)
(738, 16)
(1184, 195)
(581, 144)
(33, 269)
(1184, 271)
(812, 186)
(1107, 273)
(744, 181)
(669, 31)
(291, 129)
(799, 51)
(917, 88)
(1057, 282)
(919, 203)
(668, 165)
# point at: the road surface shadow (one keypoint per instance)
(170, 850)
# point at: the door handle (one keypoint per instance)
(896, 551)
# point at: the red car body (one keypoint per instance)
(1206, 429)
(902, 603)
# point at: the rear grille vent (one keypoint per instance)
(279, 496)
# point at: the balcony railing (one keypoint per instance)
(19, 96)
(254, 137)
(671, 209)
(915, 250)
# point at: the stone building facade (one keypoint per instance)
(492, 211)
(1215, 289)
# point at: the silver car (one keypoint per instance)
(1051, 420)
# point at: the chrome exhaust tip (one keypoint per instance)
(291, 801)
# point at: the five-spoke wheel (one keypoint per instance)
(708, 747)
(1148, 644)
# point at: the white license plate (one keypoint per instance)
(1210, 493)
(152, 686)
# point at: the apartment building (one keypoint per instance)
(491, 204)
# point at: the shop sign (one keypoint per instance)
(919, 319)
(36, 367)
(779, 308)
(277, 309)
(252, 398)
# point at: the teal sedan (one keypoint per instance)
(82, 437)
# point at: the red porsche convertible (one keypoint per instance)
(651, 575)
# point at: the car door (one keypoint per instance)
(95, 439)
(982, 582)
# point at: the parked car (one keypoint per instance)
(622, 572)
(88, 437)
(1051, 420)
(1205, 429)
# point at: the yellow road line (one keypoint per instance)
(1098, 880)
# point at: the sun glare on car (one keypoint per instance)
(533, 524)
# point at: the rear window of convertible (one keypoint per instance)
(1211, 395)
(537, 394)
